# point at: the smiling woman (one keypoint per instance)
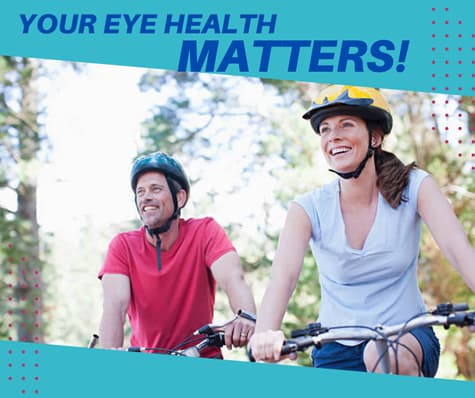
(345, 141)
(360, 114)
(364, 230)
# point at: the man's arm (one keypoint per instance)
(116, 289)
(228, 273)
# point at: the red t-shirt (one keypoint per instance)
(166, 306)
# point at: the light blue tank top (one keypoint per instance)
(374, 285)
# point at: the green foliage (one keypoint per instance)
(182, 120)
(6, 257)
(234, 146)
(20, 144)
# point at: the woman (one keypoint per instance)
(364, 230)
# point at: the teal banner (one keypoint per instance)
(54, 371)
(426, 46)
(420, 46)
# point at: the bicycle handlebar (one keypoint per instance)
(316, 335)
(216, 339)
(213, 337)
(301, 343)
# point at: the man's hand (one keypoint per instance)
(238, 332)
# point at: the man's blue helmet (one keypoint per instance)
(159, 161)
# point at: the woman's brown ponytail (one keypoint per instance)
(393, 176)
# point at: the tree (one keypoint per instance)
(20, 149)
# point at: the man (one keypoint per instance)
(164, 275)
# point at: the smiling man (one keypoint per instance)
(163, 276)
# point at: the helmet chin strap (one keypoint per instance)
(356, 172)
(155, 232)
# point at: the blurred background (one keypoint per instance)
(69, 133)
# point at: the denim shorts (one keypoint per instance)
(339, 356)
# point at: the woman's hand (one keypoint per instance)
(266, 346)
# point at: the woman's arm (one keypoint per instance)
(446, 229)
(266, 343)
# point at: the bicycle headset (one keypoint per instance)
(173, 172)
(366, 103)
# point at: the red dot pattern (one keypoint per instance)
(452, 126)
(21, 311)
(450, 51)
(22, 363)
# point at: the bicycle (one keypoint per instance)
(208, 335)
(316, 335)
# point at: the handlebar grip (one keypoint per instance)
(449, 308)
(460, 307)
(221, 339)
(288, 347)
(461, 319)
(298, 344)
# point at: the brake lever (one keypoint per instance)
(246, 315)
(206, 329)
(446, 309)
(312, 329)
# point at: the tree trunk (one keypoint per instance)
(28, 289)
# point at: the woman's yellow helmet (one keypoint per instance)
(365, 102)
